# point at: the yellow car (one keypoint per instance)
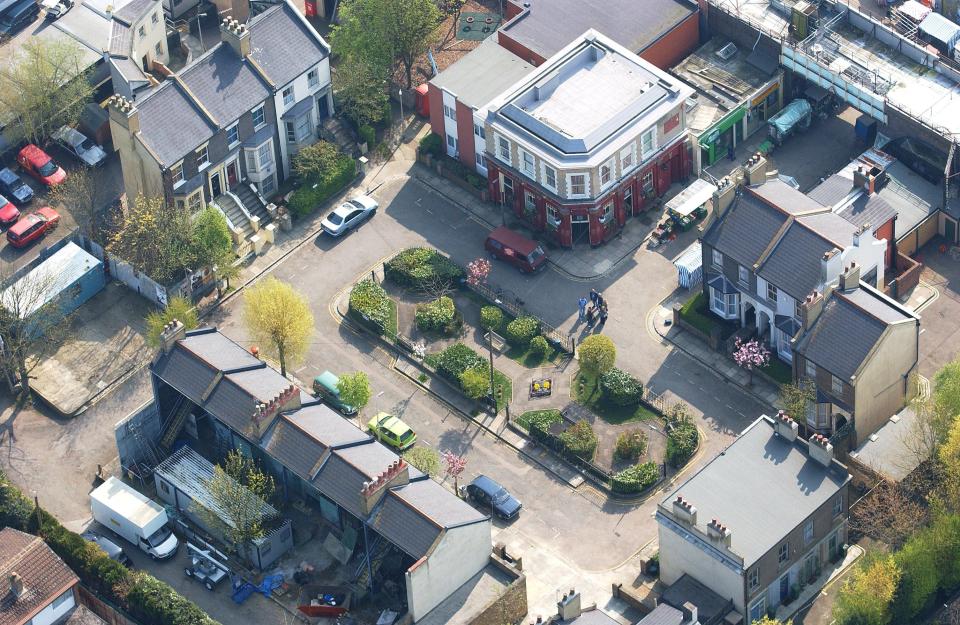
(392, 431)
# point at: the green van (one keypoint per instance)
(325, 387)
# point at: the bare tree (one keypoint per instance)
(888, 514)
(78, 192)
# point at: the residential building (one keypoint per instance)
(772, 246)
(738, 90)
(587, 140)
(661, 32)
(138, 45)
(224, 129)
(859, 348)
(217, 396)
(757, 551)
(459, 96)
(39, 589)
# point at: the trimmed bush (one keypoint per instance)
(682, 440)
(491, 318)
(620, 388)
(580, 440)
(432, 144)
(440, 315)
(424, 458)
(307, 198)
(475, 382)
(521, 331)
(420, 268)
(367, 135)
(539, 419)
(631, 445)
(597, 354)
(636, 479)
(539, 346)
(454, 360)
(368, 301)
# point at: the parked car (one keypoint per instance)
(81, 146)
(13, 187)
(17, 17)
(38, 164)
(349, 215)
(56, 8)
(32, 227)
(112, 549)
(392, 431)
(325, 387)
(487, 492)
(516, 249)
(8, 213)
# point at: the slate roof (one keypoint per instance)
(793, 487)
(171, 126)
(185, 372)
(226, 84)
(404, 526)
(134, 10)
(45, 576)
(745, 230)
(341, 481)
(848, 328)
(120, 39)
(218, 351)
(294, 448)
(326, 426)
(282, 44)
(794, 264)
(778, 193)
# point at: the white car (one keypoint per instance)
(82, 147)
(349, 215)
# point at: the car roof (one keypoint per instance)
(32, 152)
(7, 175)
(328, 378)
(23, 224)
(46, 211)
(486, 484)
(514, 240)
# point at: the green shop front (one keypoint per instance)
(717, 140)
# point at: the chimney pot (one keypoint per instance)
(16, 584)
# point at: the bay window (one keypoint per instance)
(725, 305)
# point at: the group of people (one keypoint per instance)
(596, 312)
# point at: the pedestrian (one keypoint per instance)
(591, 313)
(603, 316)
(601, 303)
(594, 296)
(582, 303)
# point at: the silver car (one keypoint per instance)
(82, 147)
(349, 215)
(114, 551)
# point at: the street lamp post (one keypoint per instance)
(503, 216)
(200, 31)
(400, 93)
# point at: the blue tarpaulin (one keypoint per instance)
(796, 112)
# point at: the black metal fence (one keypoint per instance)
(515, 306)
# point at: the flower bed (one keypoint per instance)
(542, 419)
(371, 306)
(455, 361)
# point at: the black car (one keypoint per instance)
(114, 551)
(13, 187)
(485, 491)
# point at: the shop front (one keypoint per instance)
(717, 141)
(763, 106)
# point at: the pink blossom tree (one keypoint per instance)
(477, 271)
(750, 355)
(453, 466)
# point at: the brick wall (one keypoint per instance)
(465, 136)
(675, 45)
(104, 610)
(519, 49)
(511, 605)
(435, 96)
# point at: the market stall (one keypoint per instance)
(689, 266)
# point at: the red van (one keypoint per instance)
(521, 252)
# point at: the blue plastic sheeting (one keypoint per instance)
(791, 114)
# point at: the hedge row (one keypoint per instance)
(682, 440)
(307, 199)
(369, 302)
(145, 598)
(635, 479)
(620, 388)
(422, 268)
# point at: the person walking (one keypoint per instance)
(582, 303)
(591, 314)
(603, 315)
(601, 303)
(594, 297)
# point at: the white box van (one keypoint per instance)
(132, 516)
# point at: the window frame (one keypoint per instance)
(548, 173)
(529, 168)
(142, 31)
(606, 174)
(810, 369)
(313, 78)
(650, 134)
(155, 18)
(479, 131)
(808, 532)
(838, 505)
(158, 48)
(797, 309)
(288, 92)
(783, 553)
(627, 159)
(176, 174)
(743, 275)
(61, 599)
(503, 145)
(606, 213)
(204, 151)
(753, 578)
(234, 129)
(573, 185)
(262, 114)
(772, 292)
(480, 160)
(836, 385)
(717, 258)
(198, 195)
(646, 183)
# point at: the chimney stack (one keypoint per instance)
(756, 169)
(719, 532)
(850, 278)
(172, 332)
(785, 426)
(16, 585)
(568, 608)
(684, 510)
(237, 35)
(810, 309)
(396, 474)
(723, 196)
(830, 265)
(690, 616)
(125, 113)
(820, 449)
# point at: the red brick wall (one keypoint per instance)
(512, 9)
(435, 95)
(676, 45)
(886, 232)
(465, 135)
(520, 50)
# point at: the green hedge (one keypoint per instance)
(620, 388)
(539, 419)
(368, 135)
(145, 598)
(580, 440)
(636, 479)
(454, 360)
(420, 268)
(432, 144)
(370, 303)
(491, 318)
(521, 330)
(307, 199)
(440, 315)
(682, 439)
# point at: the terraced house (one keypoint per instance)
(587, 140)
(223, 130)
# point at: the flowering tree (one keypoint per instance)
(750, 355)
(477, 271)
(453, 466)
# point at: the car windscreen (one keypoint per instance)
(500, 495)
(86, 145)
(158, 537)
(535, 255)
(335, 219)
(355, 203)
(47, 169)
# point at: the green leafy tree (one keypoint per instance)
(354, 389)
(315, 163)
(179, 308)
(361, 92)
(212, 242)
(865, 598)
(475, 382)
(796, 398)
(279, 316)
(78, 192)
(239, 489)
(42, 87)
(155, 238)
(597, 354)
(425, 459)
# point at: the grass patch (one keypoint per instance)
(697, 313)
(526, 357)
(503, 384)
(779, 370)
(590, 397)
(544, 417)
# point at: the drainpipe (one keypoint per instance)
(366, 553)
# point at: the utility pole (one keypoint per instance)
(493, 389)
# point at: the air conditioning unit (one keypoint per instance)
(727, 51)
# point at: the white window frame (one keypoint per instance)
(772, 293)
(760, 606)
(810, 369)
(313, 78)
(606, 214)
(783, 554)
(647, 185)
(480, 160)
(606, 174)
(628, 158)
(836, 385)
(553, 215)
(203, 156)
(158, 48)
(289, 97)
(548, 174)
(753, 578)
(648, 137)
(838, 505)
(797, 309)
(717, 258)
(234, 127)
(142, 31)
(586, 188)
(503, 145)
(724, 305)
(743, 274)
(176, 174)
(449, 112)
(479, 131)
(195, 207)
(529, 168)
(254, 112)
(808, 532)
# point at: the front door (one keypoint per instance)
(323, 109)
(232, 175)
(785, 588)
(216, 188)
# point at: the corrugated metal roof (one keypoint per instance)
(940, 28)
(45, 282)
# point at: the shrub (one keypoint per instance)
(454, 360)
(539, 346)
(475, 382)
(491, 318)
(476, 181)
(367, 135)
(422, 268)
(597, 354)
(368, 299)
(307, 198)
(620, 388)
(425, 459)
(539, 419)
(682, 441)
(432, 144)
(636, 479)
(521, 330)
(440, 315)
(631, 445)
(580, 440)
